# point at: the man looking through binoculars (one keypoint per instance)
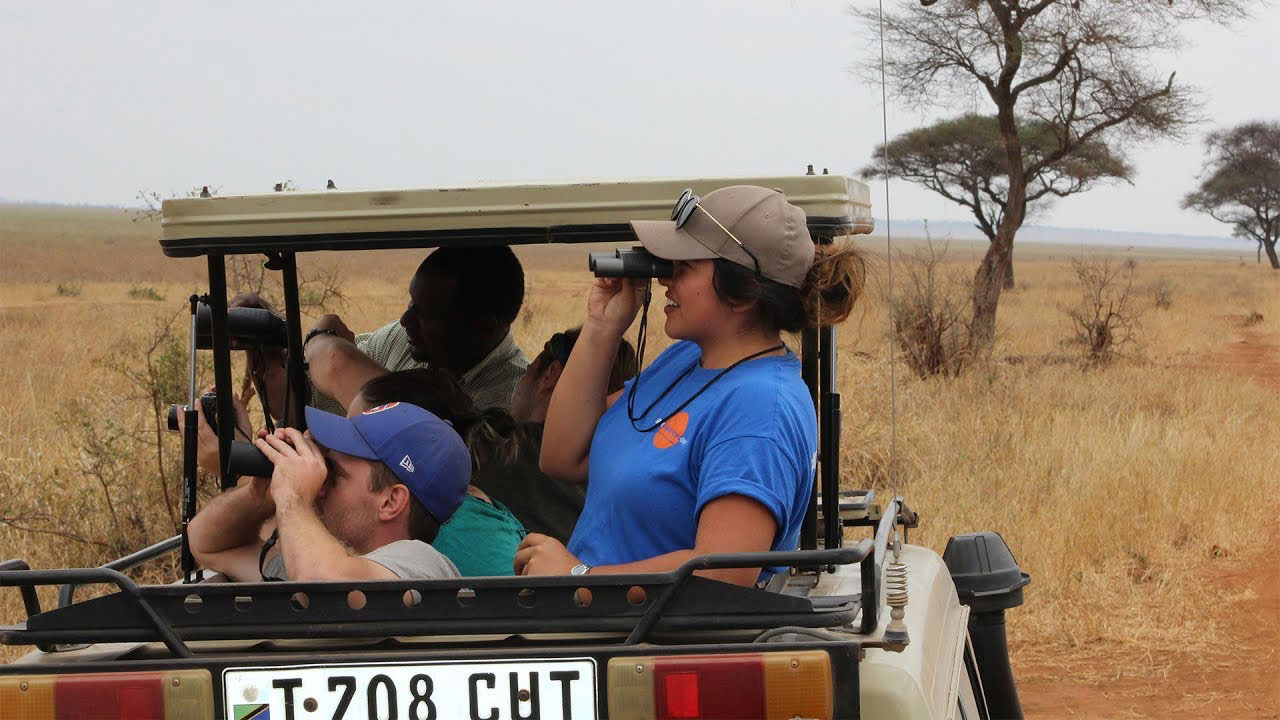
(354, 498)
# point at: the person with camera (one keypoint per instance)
(462, 302)
(357, 498)
(712, 448)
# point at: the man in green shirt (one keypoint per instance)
(462, 302)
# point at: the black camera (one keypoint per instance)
(633, 263)
(246, 458)
(208, 404)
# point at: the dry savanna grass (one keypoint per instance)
(1117, 486)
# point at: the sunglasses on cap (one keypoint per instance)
(683, 210)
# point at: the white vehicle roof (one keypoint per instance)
(592, 211)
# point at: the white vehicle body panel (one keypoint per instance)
(927, 679)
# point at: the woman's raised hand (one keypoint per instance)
(613, 303)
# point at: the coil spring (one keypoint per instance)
(896, 584)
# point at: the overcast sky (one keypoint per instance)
(101, 100)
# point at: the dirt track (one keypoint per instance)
(1239, 679)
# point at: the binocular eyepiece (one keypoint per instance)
(629, 263)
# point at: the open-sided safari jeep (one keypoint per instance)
(834, 637)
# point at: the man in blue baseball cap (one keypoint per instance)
(357, 498)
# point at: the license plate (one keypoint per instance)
(480, 690)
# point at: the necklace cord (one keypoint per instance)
(640, 347)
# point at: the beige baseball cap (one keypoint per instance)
(764, 222)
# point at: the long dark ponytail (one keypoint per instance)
(833, 285)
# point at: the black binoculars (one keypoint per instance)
(629, 263)
(248, 328)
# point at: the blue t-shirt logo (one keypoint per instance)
(672, 431)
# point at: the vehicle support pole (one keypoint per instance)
(300, 387)
(217, 302)
(872, 568)
(830, 438)
(809, 373)
(189, 440)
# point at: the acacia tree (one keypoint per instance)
(1241, 183)
(963, 159)
(1085, 68)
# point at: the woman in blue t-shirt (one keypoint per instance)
(712, 448)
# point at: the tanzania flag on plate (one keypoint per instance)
(253, 711)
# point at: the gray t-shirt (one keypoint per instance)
(490, 383)
(408, 559)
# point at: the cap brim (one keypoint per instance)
(338, 433)
(663, 239)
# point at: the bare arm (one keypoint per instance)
(581, 395)
(338, 368)
(224, 535)
(312, 553)
(732, 523)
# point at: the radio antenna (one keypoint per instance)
(888, 243)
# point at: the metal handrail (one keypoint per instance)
(15, 574)
(869, 553)
(27, 578)
(30, 601)
(66, 594)
(872, 568)
(721, 561)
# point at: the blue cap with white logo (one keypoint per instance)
(424, 451)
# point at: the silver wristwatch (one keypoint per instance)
(580, 569)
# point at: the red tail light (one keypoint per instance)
(724, 687)
(127, 696)
(721, 687)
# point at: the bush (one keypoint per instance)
(320, 287)
(930, 323)
(1106, 317)
(145, 292)
(124, 488)
(1162, 293)
(71, 289)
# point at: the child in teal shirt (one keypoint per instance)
(482, 536)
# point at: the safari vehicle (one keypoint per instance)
(864, 624)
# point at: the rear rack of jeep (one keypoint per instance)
(637, 605)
